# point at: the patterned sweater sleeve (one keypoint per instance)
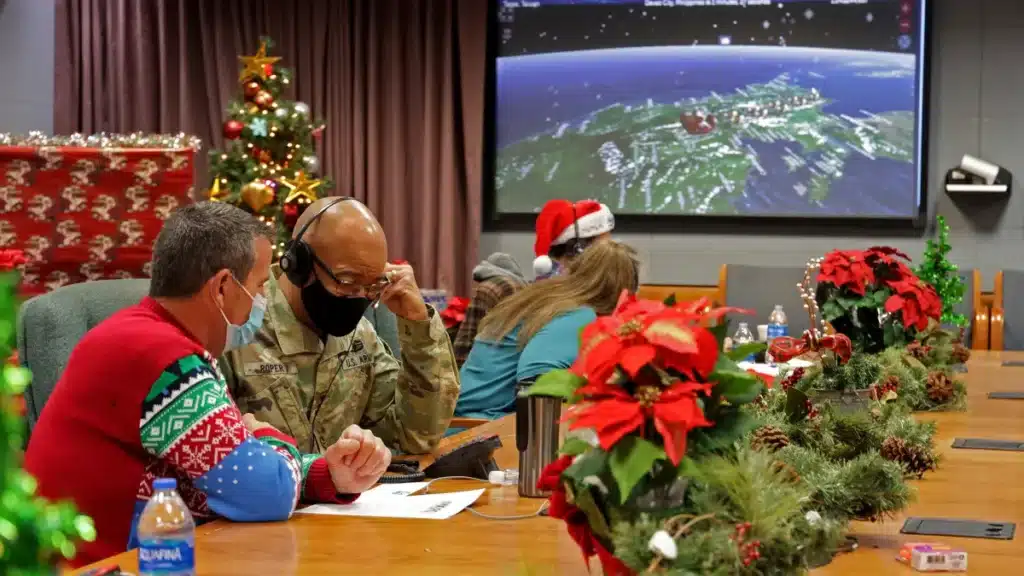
(190, 422)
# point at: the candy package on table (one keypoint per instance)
(933, 557)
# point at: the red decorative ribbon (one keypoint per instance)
(455, 312)
(786, 348)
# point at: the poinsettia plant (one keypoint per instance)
(652, 390)
(874, 297)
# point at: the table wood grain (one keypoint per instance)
(970, 484)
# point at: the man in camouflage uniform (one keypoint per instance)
(317, 366)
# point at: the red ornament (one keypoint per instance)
(251, 89)
(268, 69)
(291, 215)
(233, 129)
(263, 99)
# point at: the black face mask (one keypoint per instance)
(332, 315)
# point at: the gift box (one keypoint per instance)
(89, 207)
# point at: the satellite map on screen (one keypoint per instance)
(722, 128)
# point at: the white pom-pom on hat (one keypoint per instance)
(542, 265)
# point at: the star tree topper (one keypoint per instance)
(256, 65)
(301, 187)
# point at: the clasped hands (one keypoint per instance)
(356, 460)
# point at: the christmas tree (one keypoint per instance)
(269, 165)
(941, 274)
(33, 532)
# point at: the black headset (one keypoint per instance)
(298, 259)
(576, 246)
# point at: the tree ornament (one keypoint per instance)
(939, 387)
(233, 129)
(258, 127)
(312, 163)
(215, 194)
(257, 195)
(258, 65)
(770, 438)
(252, 109)
(291, 215)
(302, 109)
(302, 188)
(281, 113)
(251, 89)
(916, 460)
(263, 99)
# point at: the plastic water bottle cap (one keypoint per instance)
(496, 476)
(165, 484)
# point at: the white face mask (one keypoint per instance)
(241, 336)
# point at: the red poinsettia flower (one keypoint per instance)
(11, 259)
(888, 263)
(847, 269)
(455, 312)
(915, 301)
(643, 332)
(613, 413)
(575, 520)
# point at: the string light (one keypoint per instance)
(223, 156)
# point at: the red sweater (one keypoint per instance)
(141, 399)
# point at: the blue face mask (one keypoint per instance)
(242, 336)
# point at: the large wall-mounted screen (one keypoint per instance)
(789, 108)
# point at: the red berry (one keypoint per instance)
(746, 562)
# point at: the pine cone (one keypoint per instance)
(939, 387)
(786, 471)
(960, 353)
(770, 438)
(914, 459)
(918, 351)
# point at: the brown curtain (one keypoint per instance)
(398, 82)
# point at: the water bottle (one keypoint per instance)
(777, 326)
(166, 533)
(743, 336)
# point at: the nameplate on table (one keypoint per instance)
(1006, 395)
(959, 528)
(988, 444)
(1014, 364)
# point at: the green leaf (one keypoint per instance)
(847, 303)
(593, 463)
(631, 459)
(584, 500)
(729, 427)
(831, 310)
(796, 405)
(742, 351)
(557, 384)
(721, 331)
(738, 387)
(574, 447)
(671, 300)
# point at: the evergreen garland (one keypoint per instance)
(942, 275)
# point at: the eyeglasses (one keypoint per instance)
(349, 288)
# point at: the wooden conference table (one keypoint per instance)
(969, 484)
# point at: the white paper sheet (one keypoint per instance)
(386, 491)
(426, 507)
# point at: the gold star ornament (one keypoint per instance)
(301, 188)
(215, 194)
(256, 66)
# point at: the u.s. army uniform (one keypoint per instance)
(291, 380)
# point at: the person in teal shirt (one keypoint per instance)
(537, 329)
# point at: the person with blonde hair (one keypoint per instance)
(537, 329)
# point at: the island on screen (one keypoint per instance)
(793, 108)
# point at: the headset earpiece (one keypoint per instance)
(577, 247)
(297, 260)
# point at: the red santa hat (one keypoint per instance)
(560, 221)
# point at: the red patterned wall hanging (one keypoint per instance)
(89, 207)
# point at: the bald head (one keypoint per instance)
(347, 238)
